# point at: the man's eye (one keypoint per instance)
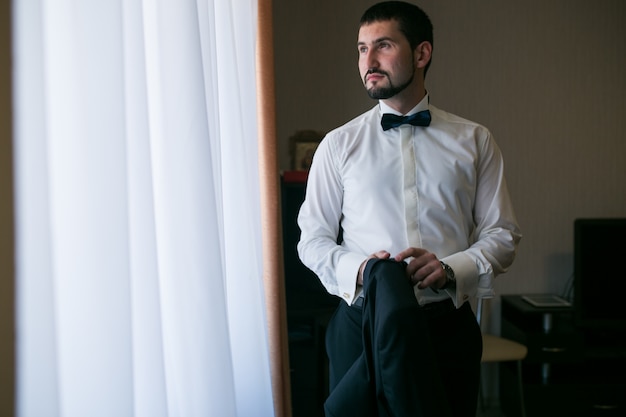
(383, 45)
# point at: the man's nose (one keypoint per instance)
(371, 59)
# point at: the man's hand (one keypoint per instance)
(381, 254)
(424, 270)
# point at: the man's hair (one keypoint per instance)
(414, 23)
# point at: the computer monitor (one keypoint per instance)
(600, 274)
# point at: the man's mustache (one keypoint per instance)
(374, 71)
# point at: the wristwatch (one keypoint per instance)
(450, 279)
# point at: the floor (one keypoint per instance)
(491, 411)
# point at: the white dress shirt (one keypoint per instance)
(440, 188)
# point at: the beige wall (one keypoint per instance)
(6, 219)
(547, 77)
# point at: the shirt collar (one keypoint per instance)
(422, 105)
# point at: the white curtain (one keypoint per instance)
(139, 261)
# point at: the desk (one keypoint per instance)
(563, 374)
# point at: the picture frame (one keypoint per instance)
(302, 146)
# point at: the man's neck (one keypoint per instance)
(404, 101)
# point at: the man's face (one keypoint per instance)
(386, 61)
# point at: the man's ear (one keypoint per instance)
(423, 53)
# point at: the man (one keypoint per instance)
(422, 209)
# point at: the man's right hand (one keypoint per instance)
(381, 254)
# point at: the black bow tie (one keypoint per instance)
(390, 121)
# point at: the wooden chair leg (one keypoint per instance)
(481, 397)
(521, 389)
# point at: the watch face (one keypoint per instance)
(449, 271)
(450, 279)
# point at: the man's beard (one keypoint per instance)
(382, 93)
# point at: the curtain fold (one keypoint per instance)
(139, 248)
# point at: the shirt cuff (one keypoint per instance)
(466, 275)
(347, 273)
